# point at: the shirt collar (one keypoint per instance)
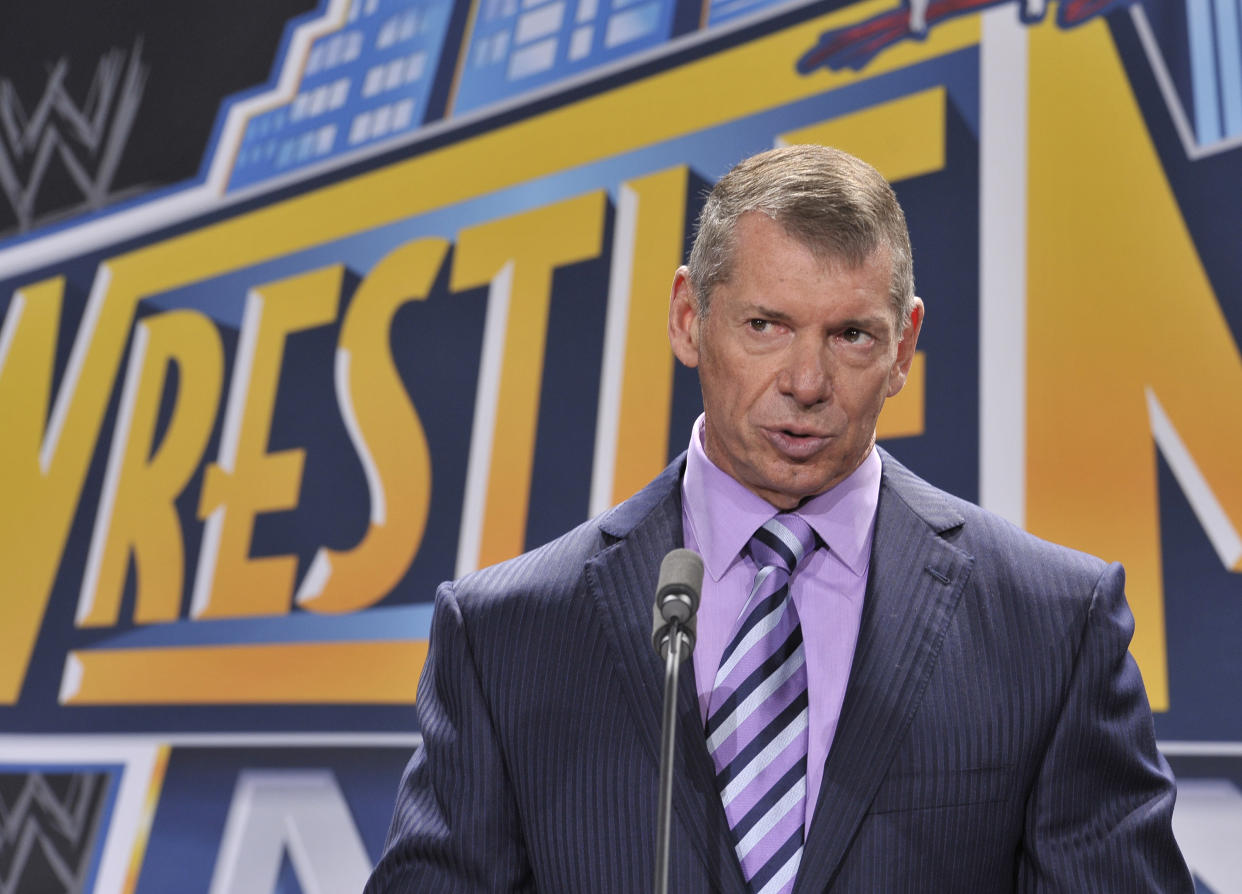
(723, 513)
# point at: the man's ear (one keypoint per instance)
(905, 349)
(684, 319)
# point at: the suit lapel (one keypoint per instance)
(915, 582)
(623, 579)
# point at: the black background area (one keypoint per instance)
(195, 55)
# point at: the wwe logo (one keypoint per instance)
(88, 140)
(49, 829)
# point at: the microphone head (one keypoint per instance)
(681, 575)
(677, 599)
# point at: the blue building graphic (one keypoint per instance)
(1196, 50)
(370, 80)
(1216, 67)
(517, 45)
(393, 66)
(721, 11)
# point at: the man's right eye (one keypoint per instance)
(759, 325)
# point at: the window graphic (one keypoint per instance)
(366, 82)
(517, 45)
(1195, 50)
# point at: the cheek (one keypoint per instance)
(731, 387)
(755, 400)
(719, 397)
(864, 400)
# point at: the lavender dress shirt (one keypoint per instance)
(719, 515)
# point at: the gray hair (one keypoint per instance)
(835, 204)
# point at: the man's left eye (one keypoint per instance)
(854, 336)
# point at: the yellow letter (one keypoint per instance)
(136, 509)
(1126, 339)
(387, 434)
(247, 480)
(516, 256)
(636, 385)
(42, 467)
(30, 538)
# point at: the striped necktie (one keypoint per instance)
(757, 715)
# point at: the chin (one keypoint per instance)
(795, 491)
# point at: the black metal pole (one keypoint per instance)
(672, 667)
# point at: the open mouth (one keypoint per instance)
(796, 443)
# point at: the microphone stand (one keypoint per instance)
(672, 668)
(672, 634)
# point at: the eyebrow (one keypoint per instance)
(868, 323)
(758, 311)
(877, 323)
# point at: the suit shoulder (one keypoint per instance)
(998, 540)
(555, 569)
(1000, 548)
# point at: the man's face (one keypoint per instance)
(795, 359)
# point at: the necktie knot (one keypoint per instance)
(783, 542)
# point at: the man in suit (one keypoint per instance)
(913, 696)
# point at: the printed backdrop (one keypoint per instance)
(303, 311)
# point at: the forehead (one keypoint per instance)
(772, 267)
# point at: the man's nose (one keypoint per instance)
(806, 376)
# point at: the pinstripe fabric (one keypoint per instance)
(994, 737)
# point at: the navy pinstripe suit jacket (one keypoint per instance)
(995, 735)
